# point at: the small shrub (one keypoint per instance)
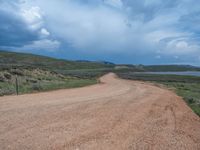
(36, 87)
(7, 76)
(191, 100)
(17, 72)
(31, 80)
(2, 79)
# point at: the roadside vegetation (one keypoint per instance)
(187, 87)
(36, 80)
(39, 73)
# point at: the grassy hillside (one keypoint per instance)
(21, 60)
(35, 80)
(11, 59)
(38, 73)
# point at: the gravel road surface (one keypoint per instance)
(116, 114)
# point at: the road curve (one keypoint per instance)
(114, 115)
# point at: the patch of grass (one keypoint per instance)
(70, 83)
(37, 80)
(9, 88)
(6, 88)
(190, 93)
(187, 87)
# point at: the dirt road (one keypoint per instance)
(114, 115)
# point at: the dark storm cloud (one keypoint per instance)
(23, 28)
(14, 31)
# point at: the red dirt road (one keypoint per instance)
(115, 115)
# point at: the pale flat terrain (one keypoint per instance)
(115, 115)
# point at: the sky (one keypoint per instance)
(119, 31)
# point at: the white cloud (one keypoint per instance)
(44, 32)
(181, 47)
(114, 3)
(85, 27)
(33, 17)
(46, 45)
(100, 28)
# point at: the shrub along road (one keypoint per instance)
(114, 115)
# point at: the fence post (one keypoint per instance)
(16, 85)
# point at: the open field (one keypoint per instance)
(114, 115)
(187, 87)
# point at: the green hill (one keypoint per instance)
(22, 60)
(12, 59)
(40, 73)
